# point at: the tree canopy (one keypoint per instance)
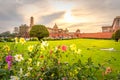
(39, 31)
(117, 35)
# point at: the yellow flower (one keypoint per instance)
(38, 63)
(16, 40)
(7, 48)
(22, 40)
(73, 47)
(78, 51)
(29, 60)
(30, 48)
(42, 47)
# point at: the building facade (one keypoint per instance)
(56, 33)
(115, 26)
(24, 31)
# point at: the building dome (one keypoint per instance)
(55, 26)
(78, 31)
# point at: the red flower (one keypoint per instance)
(64, 48)
(40, 79)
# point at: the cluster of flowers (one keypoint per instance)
(34, 60)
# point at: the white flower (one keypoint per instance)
(21, 71)
(38, 63)
(14, 78)
(30, 68)
(18, 57)
(56, 48)
(27, 74)
(45, 43)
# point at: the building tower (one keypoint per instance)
(116, 23)
(31, 21)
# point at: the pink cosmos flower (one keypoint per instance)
(9, 61)
(8, 58)
(108, 70)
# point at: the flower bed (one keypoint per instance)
(43, 62)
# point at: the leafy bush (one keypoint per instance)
(34, 39)
(6, 40)
(117, 35)
(43, 62)
(39, 31)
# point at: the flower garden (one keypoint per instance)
(80, 59)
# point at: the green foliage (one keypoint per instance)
(117, 35)
(6, 40)
(33, 39)
(39, 31)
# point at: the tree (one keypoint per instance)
(39, 31)
(5, 34)
(117, 35)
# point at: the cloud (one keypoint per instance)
(51, 18)
(87, 14)
(9, 16)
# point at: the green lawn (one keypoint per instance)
(90, 48)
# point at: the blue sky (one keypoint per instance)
(86, 15)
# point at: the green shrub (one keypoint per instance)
(117, 35)
(39, 31)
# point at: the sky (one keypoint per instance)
(87, 15)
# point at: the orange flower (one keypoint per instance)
(58, 61)
(41, 79)
(51, 51)
(42, 56)
(108, 70)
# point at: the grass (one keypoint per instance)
(90, 48)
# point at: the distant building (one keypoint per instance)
(107, 29)
(115, 26)
(24, 31)
(57, 33)
(31, 22)
(16, 30)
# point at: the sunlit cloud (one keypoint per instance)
(88, 16)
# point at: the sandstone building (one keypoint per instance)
(56, 33)
(115, 26)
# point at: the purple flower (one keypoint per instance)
(9, 61)
(8, 58)
(9, 64)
